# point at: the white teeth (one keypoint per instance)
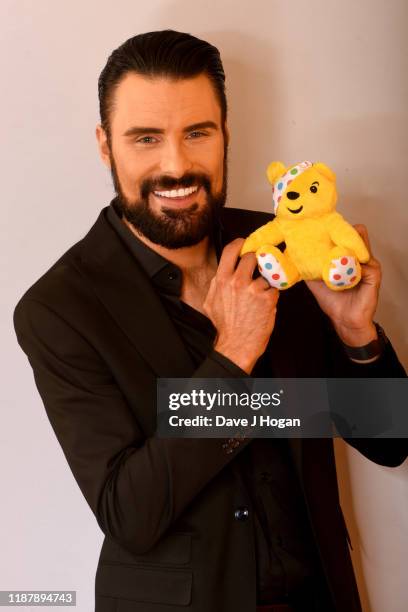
(177, 193)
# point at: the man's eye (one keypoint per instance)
(146, 139)
(152, 140)
(197, 134)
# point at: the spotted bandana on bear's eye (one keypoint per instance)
(281, 184)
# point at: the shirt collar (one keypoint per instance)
(150, 261)
(163, 273)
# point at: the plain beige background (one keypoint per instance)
(307, 79)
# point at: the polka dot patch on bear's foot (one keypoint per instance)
(342, 271)
(272, 271)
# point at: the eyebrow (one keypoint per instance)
(315, 183)
(137, 131)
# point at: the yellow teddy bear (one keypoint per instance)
(320, 244)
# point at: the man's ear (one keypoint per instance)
(103, 145)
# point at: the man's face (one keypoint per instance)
(166, 135)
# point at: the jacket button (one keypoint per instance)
(241, 514)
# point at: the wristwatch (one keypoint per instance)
(373, 349)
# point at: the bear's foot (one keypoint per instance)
(343, 270)
(276, 267)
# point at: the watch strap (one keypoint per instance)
(370, 350)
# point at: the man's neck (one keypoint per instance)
(189, 259)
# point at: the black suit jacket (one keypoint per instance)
(97, 337)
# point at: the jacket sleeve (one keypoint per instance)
(135, 486)
(390, 452)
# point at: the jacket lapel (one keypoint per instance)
(126, 292)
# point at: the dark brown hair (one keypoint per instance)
(164, 53)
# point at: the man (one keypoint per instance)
(156, 289)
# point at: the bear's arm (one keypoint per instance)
(344, 235)
(270, 233)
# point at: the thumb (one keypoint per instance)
(371, 273)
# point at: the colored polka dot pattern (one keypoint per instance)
(272, 270)
(343, 271)
(280, 186)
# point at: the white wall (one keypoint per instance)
(312, 79)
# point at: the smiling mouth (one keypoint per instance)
(295, 211)
(177, 197)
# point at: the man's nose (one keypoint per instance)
(175, 160)
(292, 195)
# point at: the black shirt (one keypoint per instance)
(286, 554)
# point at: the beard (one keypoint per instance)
(173, 229)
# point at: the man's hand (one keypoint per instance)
(241, 309)
(352, 311)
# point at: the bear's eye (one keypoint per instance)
(313, 188)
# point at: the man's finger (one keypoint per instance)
(371, 273)
(262, 284)
(229, 257)
(246, 267)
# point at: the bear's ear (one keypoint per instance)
(274, 171)
(325, 170)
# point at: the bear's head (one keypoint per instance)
(303, 191)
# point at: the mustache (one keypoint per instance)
(168, 182)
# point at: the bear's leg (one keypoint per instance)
(276, 267)
(342, 269)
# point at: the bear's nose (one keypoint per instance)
(292, 195)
